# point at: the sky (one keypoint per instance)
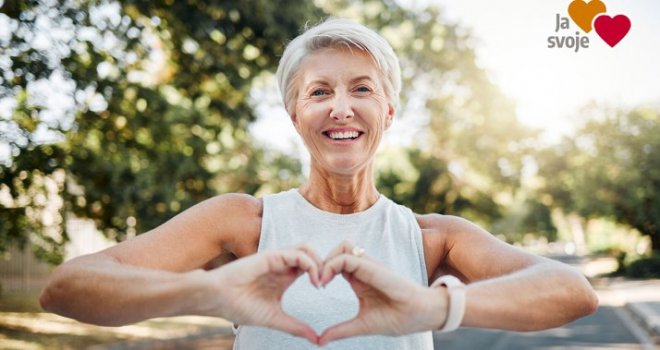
(548, 85)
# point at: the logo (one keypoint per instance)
(589, 16)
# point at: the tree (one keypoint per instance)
(158, 111)
(159, 123)
(610, 168)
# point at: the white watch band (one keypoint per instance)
(456, 290)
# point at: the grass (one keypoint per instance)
(20, 302)
(17, 338)
(24, 325)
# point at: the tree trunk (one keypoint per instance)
(653, 233)
(655, 243)
(577, 230)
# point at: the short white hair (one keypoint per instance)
(335, 33)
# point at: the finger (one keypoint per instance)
(247, 268)
(312, 254)
(345, 247)
(300, 260)
(314, 278)
(350, 279)
(293, 326)
(343, 330)
(338, 264)
(366, 271)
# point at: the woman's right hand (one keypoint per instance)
(249, 291)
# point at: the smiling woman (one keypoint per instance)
(341, 110)
(379, 275)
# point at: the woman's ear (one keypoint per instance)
(294, 120)
(390, 115)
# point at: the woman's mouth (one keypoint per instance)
(343, 135)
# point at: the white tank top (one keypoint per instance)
(388, 232)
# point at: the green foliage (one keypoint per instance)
(538, 219)
(611, 168)
(644, 268)
(526, 217)
(160, 111)
(33, 182)
(633, 266)
(432, 188)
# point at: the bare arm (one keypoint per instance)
(508, 288)
(100, 290)
(540, 296)
(155, 274)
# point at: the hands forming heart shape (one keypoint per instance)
(249, 291)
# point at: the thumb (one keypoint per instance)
(293, 326)
(346, 329)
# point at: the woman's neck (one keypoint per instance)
(341, 194)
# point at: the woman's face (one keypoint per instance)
(342, 109)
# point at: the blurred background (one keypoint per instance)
(117, 115)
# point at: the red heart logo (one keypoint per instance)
(612, 30)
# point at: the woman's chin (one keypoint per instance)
(344, 166)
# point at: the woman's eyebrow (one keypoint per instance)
(361, 77)
(324, 81)
(318, 81)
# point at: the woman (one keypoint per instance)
(340, 84)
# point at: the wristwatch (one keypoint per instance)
(456, 290)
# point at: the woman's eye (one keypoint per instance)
(363, 89)
(318, 93)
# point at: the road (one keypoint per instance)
(603, 330)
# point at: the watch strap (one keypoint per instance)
(456, 290)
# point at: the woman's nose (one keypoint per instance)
(341, 107)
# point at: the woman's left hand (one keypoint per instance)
(389, 303)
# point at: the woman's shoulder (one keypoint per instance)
(241, 217)
(444, 224)
(441, 233)
(241, 204)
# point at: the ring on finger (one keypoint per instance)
(357, 251)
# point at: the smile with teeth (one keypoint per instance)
(343, 135)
